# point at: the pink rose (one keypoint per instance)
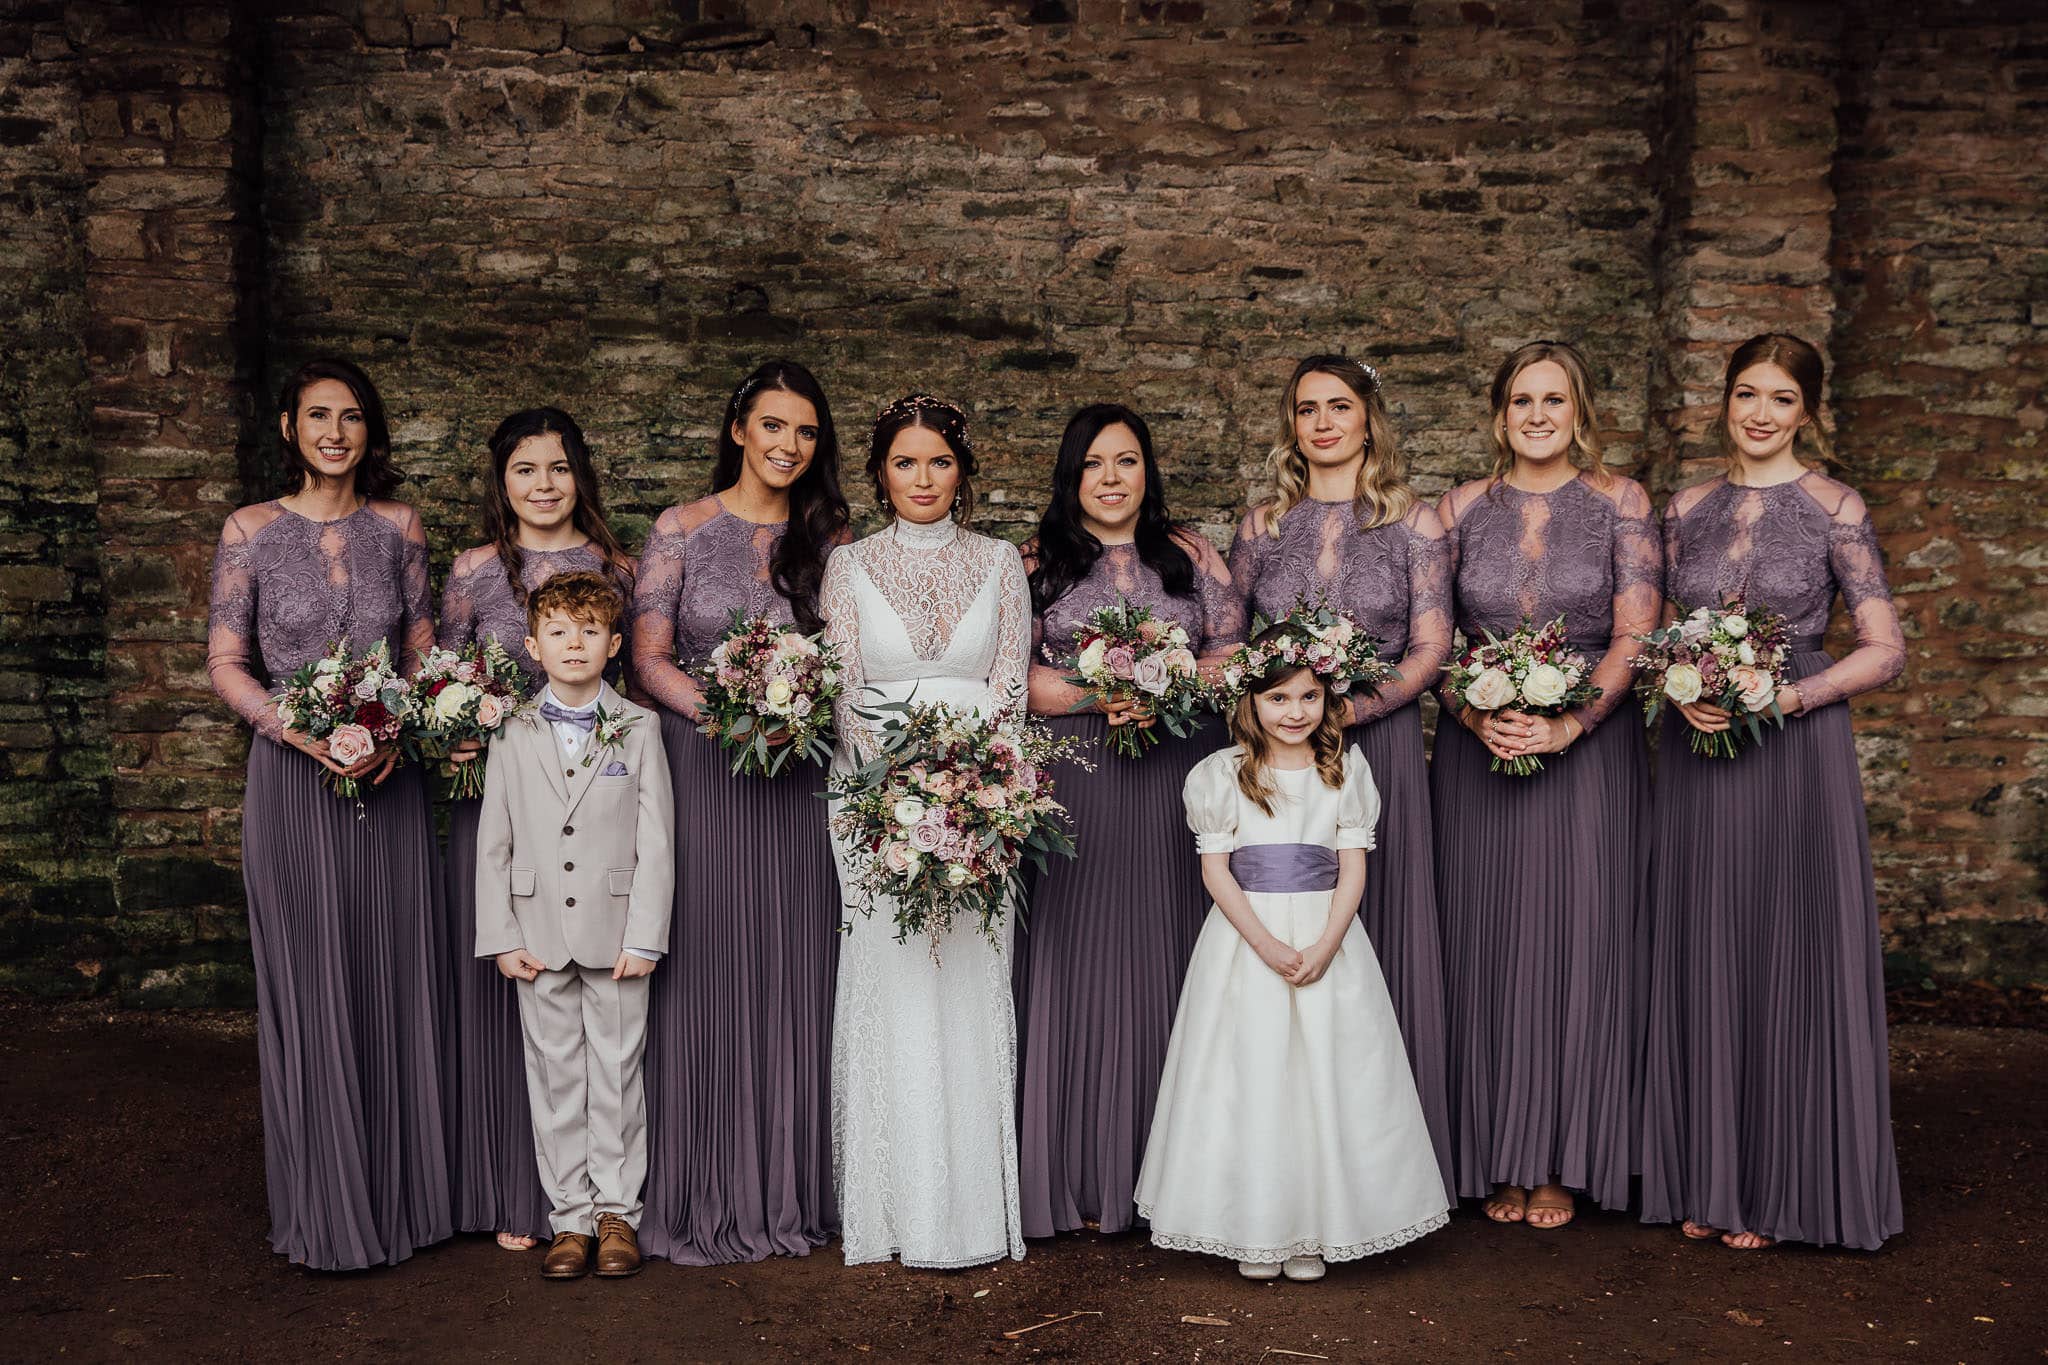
(1754, 685)
(990, 798)
(1181, 661)
(350, 745)
(1150, 674)
(899, 858)
(489, 712)
(1120, 661)
(1149, 631)
(927, 834)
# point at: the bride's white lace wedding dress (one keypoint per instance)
(924, 1054)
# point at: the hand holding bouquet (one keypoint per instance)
(768, 692)
(1327, 643)
(1533, 671)
(1125, 653)
(458, 696)
(941, 819)
(1732, 657)
(353, 702)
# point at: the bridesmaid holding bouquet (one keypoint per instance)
(1767, 1096)
(1541, 877)
(1107, 936)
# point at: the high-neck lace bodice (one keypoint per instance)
(478, 602)
(1790, 547)
(286, 588)
(1587, 554)
(1213, 615)
(1393, 581)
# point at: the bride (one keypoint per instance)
(924, 1055)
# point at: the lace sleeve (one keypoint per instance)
(416, 593)
(458, 603)
(1250, 548)
(841, 609)
(1223, 609)
(1007, 675)
(1429, 618)
(1672, 515)
(657, 591)
(1048, 693)
(1448, 509)
(231, 632)
(1638, 598)
(1858, 568)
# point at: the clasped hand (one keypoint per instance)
(1510, 734)
(1125, 711)
(380, 760)
(1710, 719)
(1296, 966)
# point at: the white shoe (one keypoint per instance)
(1259, 1270)
(1304, 1267)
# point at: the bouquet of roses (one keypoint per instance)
(462, 695)
(354, 702)
(762, 681)
(1534, 670)
(1125, 653)
(1325, 642)
(1731, 656)
(943, 816)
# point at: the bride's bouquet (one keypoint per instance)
(764, 680)
(1731, 656)
(353, 701)
(1533, 670)
(460, 695)
(1125, 653)
(940, 820)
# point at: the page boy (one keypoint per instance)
(574, 872)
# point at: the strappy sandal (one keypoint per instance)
(1698, 1232)
(1756, 1241)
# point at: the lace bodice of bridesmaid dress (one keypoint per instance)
(478, 603)
(1790, 547)
(286, 588)
(1393, 581)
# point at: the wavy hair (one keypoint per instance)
(933, 414)
(1585, 454)
(1383, 494)
(376, 477)
(1067, 549)
(817, 508)
(1802, 361)
(501, 522)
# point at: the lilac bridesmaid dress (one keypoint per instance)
(1540, 879)
(1106, 938)
(1394, 582)
(739, 1037)
(1766, 1089)
(344, 911)
(496, 1186)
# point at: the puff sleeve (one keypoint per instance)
(1211, 796)
(1358, 804)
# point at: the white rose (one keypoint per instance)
(327, 667)
(452, 698)
(1682, 684)
(957, 875)
(1490, 690)
(1177, 636)
(325, 683)
(1746, 652)
(779, 692)
(908, 811)
(1090, 662)
(1545, 685)
(1735, 627)
(286, 716)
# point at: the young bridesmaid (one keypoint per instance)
(1767, 1097)
(1288, 1131)
(543, 515)
(344, 903)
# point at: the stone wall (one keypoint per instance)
(619, 206)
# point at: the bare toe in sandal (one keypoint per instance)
(1551, 1207)
(512, 1241)
(1509, 1204)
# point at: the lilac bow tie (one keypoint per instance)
(585, 721)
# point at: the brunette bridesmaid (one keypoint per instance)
(1767, 1097)
(1346, 527)
(1107, 935)
(739, 1029)
(1540, 878)
(344, 903)
(542, 515)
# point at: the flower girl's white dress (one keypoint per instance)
(1287, 1123)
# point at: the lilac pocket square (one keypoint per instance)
(613, 769)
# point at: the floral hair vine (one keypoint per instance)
(1325, 642)
(924, 405)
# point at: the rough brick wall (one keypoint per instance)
(620, 206)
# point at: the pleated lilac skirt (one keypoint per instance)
(1766, 1078)
(1540, 882)
(739, 1034)
(345, 927)
(1399, 909)
(1104, 945)
(493, 1172)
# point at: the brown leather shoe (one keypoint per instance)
(618, 1250)
(568, 1256)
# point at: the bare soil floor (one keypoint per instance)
(131, 1178)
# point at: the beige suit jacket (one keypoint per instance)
(571, 864)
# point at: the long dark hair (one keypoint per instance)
(817, 509)
(1067, 549)
(375, 476)
(933, 414)
(501, 523)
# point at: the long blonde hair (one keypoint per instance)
(1585, 454)
(1326, 741)
(1800, 360)
(1383, 494)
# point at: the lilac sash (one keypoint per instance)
(1278, 869)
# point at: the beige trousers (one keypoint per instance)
(585, 1037)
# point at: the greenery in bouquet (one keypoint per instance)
(1535, 671)
(1125, 653)
(1731, 656)
(458, 696)
(353, 701)
(768, 694)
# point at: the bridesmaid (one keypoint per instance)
(740, 1023)
(344, 904)
(1767, 1097)
(543, 515)
(1347, 528)
(1107, 935)
(1540, 878)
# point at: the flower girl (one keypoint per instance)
(1288, 1132)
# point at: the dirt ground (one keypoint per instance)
(131, 1178)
